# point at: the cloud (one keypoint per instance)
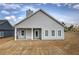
(20, 17)
(76, 6)
(67, 4)
(70, 5)
(44, 3)
(12, 17)
(64, 18)
(29, 7)
(15, 12)
(57, 4)
(5, 12)
(10, 6)
(63, 4)
(40, 4)
(7, 17)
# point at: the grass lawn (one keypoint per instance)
(68, 46)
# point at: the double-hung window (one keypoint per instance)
(59, 32)
(53, 32)
(46, 32)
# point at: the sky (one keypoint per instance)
(15, 12)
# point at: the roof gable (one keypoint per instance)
(45, 14)
(2, 21)
(5, 25)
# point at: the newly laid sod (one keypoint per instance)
(68, 46)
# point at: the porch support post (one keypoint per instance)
(41, 34)
(15, 33)
(32, 34)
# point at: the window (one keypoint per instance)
(36, 33)
(46, 32)
(53, 33)
(1, 34)
(22, 32)
(59, 32)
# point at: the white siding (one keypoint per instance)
(39, 20)
(28, 34)
(19, 34)
(50, 34)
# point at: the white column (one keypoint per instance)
(32, 33)
(15, 33)
(26, 34)
(42, 33)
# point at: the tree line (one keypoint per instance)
(71, 28)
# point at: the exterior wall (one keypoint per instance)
(1, 33)
(50, 34)
(26, 36)
(18, 34)
(7, 33)
(39, 33)
(7, 29)
(40, 20)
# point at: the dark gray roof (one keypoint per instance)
(44, 13)
(5, 25)
(2, 21)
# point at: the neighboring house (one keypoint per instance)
(6, 29)
(40, 26)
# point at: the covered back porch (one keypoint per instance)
(28, 33)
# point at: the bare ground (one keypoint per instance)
(68, 46)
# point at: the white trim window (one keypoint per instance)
(46, 32)
(59, 32)
(53, 32)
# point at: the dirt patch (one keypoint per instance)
(68, 46)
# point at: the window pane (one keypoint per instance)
(46, 32)
(53, 33)
(59, 32)
(22, 32)
(36, 33)
(0, 33)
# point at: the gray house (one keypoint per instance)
(6, 29)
